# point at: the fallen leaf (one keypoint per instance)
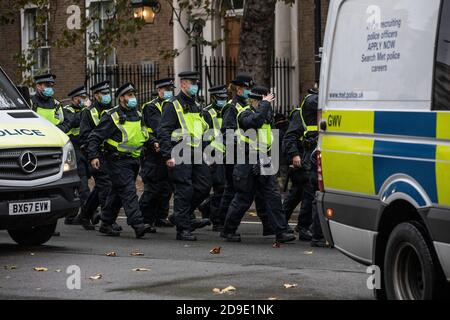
(141, 270)
(10, 267)
(216, 250)
(273, 298)
(40, 269)
(276, 245)
(252, 214)
(308, 252)
(137, 254)
(111, 254)
(290, 286)
(32, 254)
(229, 289)
(98, 276)
(58, 270)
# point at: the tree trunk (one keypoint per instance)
(256, 40)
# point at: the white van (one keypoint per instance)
(384, 160)
(38, 176)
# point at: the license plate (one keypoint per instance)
(22, 208)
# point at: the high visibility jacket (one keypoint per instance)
(54, 115)
(264, 137)
(158, 105)
(74, 132)
(217, 125)
(134, 135)
(308, 129)
(192, 125)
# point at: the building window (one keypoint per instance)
(442, 72)
(30, 36)
(102, 10)
(234, 8)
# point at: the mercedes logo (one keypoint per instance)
(28, 162)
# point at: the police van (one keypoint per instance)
(384, 146)
(38, 176)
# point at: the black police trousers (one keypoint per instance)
(229, 194)
(192, 184)
(99, 194)
(211, 206)
(155, 201)
(123, 173)
(84, 173)
(247, 185)
(300, 180)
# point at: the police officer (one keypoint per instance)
(300, 144)
(123, 134)
(241, 88)
(44, 103)
(213, 117)
(79, 101)
(292, 145)
(183, 127)
(250, 178)
(90, 118)
(155, 200)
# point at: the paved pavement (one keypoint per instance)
(178, 270)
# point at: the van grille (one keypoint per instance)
(49, 162)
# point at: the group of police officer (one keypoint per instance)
(114, 144)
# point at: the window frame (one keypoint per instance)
(26, 38)
(438, 36)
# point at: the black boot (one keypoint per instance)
(319, 243)
(290, 230)
(150, 228)
(186, 236)
(81, 219)
(96, 218)
(285, 237)
(108, 230)
(140, 230)
(200, 223)
(304, 234)
(117, 227)
(231, 237)
(163, 223)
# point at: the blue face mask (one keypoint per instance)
(48, 92)
(221, 103)
(246, 94)
(106, 99)
(132, 103)
(193, 90)
(168, 95)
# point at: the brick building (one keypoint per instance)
(294, 41)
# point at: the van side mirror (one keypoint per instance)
(25, 92)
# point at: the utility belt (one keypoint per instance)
(112, 155)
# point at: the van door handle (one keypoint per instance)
(323, 125)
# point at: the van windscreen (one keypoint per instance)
(9, 98)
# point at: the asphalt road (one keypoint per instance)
(177, 270)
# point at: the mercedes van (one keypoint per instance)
(384, 147)
(38, 176)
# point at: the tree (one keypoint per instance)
(256, 39)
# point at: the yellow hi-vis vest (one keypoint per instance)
(54, 115)
(192, 125)
(134, 136)
(74, 132)
(158, 105)
(305, 126)
(264, 135)
(217, 125)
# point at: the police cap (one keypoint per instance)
(243, 80)
(258, 92)
(189, 75)
(101, 87)
(124, 89)
(166, 82)
(45, 78)
(219, 91)
(78, 92)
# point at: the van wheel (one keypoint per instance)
(34, 236)
(409, 269)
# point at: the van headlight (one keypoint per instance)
(70, 158)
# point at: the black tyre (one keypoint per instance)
(34, 236)
(410, 272)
